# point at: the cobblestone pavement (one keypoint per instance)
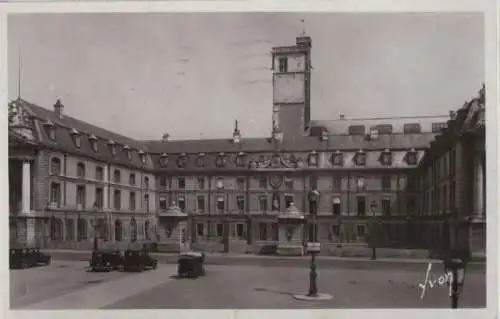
(66, 285)
(257, 287)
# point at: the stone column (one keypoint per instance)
(26, 203)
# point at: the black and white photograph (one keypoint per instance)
(250, 160)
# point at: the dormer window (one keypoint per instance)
(51, 130)
(324, 135)
(200, 160)
(77, 138)
(312, 159)
(360, 158)
(94, 143)
(163, 160)
(386, 157)
(143, 157)
(221, 160)
(112, 147)
(240, 159)
(411, 157)
(128, 151)
(182, 160)
(337, 158)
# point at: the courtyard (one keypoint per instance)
(67, 285)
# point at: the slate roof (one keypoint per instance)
(64, 141)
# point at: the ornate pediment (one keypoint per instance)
(274, 161)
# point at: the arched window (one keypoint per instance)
(146, 182)
(55, 166)
(82, 229)
(70, 229)
(118, 230)
(80, 170)
(133, 230)
(132, 179)
(56, 229)
(146, 230)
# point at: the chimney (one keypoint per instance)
(452, 115)
(59, 108)
(342, 117)
(236, 133)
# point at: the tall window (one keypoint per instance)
(200, 229)
(219, 230)
(181, 183)
(99, 173)
(201, 182)
(201, 203)
(163, 203)
(262, 231)
(56, 229)
(288, 182)
(132, 179)
(146, 202)
(80, 196)
(360, 183)
(55, 166)
(55, 194)
(336, 206)
(361, 205)
(263, 181)
(240, 182)
(70, 229)
(82, 229)
(146, 182)
(117, 197)
(386, 182)
(132, 201)
(182, 203)
(313, 182)
(80, 170)
(118, 230)
(288, 200)
(117, 176)
(240, 230)
(283, 64)
(163, 182)
(336, 182)
(99, 197)
(220, 203)
(240, 201)
(263, 203)
(146, 230)
(275, 202)
(386, 206)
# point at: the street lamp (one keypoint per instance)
(314, 248)
(456, 266)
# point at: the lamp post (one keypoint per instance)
(456, 266)
(313, 202)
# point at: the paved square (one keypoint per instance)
(66, 285)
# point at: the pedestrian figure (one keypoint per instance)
(372, 236)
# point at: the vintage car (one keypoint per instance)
(27, 257)
(191, 264)
(106, 260)
(138, 259)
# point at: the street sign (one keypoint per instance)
(313, 247)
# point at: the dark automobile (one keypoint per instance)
(138, 259)
(106, 260)
(27, 257)
(191, 265)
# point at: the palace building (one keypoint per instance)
(71, 182)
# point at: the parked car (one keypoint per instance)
(191, 264)
(27, 257)
(106, 260)
(138, 259)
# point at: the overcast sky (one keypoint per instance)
(192, 75)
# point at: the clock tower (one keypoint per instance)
(291, 89)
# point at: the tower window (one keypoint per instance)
(283, 64)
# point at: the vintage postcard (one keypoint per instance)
(338, 158)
